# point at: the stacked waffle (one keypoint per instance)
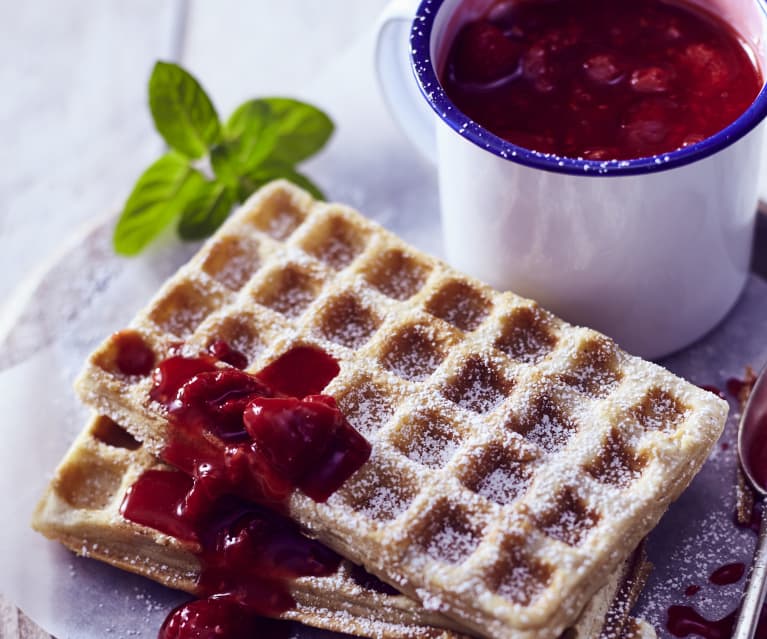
(81, 509)
(516, 460)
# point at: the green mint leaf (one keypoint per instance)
(206, 211)
(302, 129)
(182, 111)
(251, 133)
(159, 196)
(225, 164)
(264, 174)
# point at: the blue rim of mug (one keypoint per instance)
(428, 82)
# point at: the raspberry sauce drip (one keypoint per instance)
(299, 372)
(248, 554)
(728, 574)
(735, 386)
(134, 357)
(241, 444)
(685, 620)
(713, 389)
(224, 352)
(216, 619)
(155, 499)
(257, 436)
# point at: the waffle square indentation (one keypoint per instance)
(659, 410)
(414, 351)
(478, 386)
(183, 309)
(232, 261)
(278, 216)
(381, 492)
(289, 290)
(335, 241)
(397, 274)
(428, 438)
(526, 334)
(501, 474)
(595, 370)
(570, 520)
(89, 484)
(112, 434)
(366, 404)
(459, 304)
(449, 532)
(517, 576)
(347, 321)
(617, 464)
(544, 423)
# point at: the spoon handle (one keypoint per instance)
(757, 586)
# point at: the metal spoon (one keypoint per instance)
(752, 450)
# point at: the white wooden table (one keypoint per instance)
(75, 131)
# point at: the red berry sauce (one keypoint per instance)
(224, 352)
(217, 619)
(134, 357)
(242, 443)
(715, 390)
(728, 574)
(600, 79)
(735, 386)
(683, 621)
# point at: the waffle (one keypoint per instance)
(81, 509)
(516, 459)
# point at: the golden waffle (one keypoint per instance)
(81, 509)
(516, 459)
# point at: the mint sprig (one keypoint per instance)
(183, 113)
(213, 166)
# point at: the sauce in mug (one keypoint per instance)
(601, 79)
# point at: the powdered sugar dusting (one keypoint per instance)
(504, 485)
(397, 274)
(366, 405)
(478, 387)
(525, 335)
(346, 321)
(232, 261)
(428, 439)
(413, 352)
(451, 533)
(459, 304)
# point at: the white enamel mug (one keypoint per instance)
(653, 252)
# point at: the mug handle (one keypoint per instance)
(396, 79)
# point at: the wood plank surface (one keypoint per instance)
(14, 624)
(73, 122)
(241, 50)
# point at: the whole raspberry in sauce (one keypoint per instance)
(242, 443)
